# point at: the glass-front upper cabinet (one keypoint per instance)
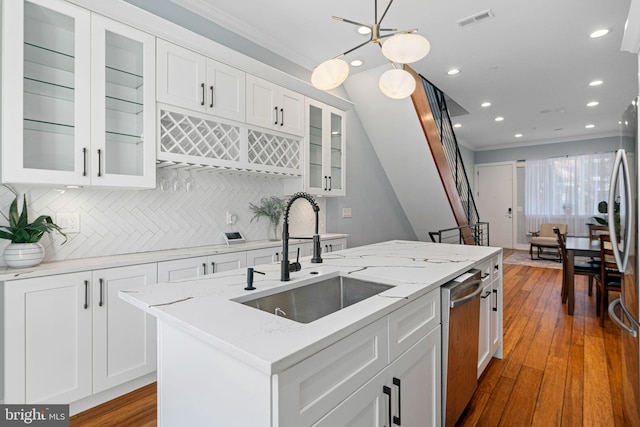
(325, 157)
(54, 67)
(122, 108)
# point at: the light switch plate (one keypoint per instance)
(346, 212)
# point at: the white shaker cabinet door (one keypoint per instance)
(181, 76)
(124, 337)
(179, 269)
(225, 91)
(49, 337)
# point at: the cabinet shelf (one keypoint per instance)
(123, 78)
(48, 89)
(42, 126)
(48, 57)
(120, 137)
(124, 105)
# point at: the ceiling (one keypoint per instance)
(533, 60)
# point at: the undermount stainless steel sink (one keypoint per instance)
(310, 302)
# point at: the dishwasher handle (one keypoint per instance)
(467, 298)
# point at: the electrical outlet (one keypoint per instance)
(346, 212)
(69, 223)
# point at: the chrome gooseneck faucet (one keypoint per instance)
(285, 268)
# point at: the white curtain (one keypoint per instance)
(566, 190)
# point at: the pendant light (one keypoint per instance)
(400, 47)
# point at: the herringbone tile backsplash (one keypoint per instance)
(115, 222)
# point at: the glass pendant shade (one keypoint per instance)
(405, 48)
(397, 84)
(330, 74)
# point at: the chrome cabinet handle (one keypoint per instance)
(202, 100)
(86, 294)
(84, 161)
(99, 162)
(101, 302)
(212, 96)
(387, 390)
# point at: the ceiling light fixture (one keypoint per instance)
(485, 104)
(453, 71)
(499, 119)
(592, 103)
(518, 135)
(590, 126)
(356, 63)
(457, 125)
(599, 33)
(596, 83)
(401, 47)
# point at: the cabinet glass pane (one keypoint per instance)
(315, 147)
(123, 105)
(49, 95)
(336, 151)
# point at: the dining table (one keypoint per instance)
(577, 246)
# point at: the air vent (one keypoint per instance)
(473, 19)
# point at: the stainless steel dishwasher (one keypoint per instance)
(460, 330)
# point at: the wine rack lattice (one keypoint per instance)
(273, 150)
(193, 136)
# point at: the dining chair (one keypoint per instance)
(590, 269)
(608, 279)
(595, 230)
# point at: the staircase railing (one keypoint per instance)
(442, 118)
(479, 230)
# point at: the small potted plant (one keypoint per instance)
(271, 207)
(25, 249)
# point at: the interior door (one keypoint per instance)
(494, 193)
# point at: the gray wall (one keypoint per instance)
(377, 214)
(544, 151)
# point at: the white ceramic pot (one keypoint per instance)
(23, 254)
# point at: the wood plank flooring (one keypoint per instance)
(558, 370)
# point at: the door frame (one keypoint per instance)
(514, 196)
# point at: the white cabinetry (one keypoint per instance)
(78, 98)
(274, 107)
(490, 338)
(324, 151)
(190, 80)
(179, 269)
(71, 336)
(334, 245)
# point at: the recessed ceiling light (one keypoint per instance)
(357, 63)
(595, 83)
(600, 33)
(485, 104)
(590, 126)
(499, 119)
(518, 135)
(364, 30)
(592, 103)
(453, 71)
(457, 125)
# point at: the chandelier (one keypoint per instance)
(399, 47)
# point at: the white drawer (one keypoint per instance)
(410, 323)
(311, 388)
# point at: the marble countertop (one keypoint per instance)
(206, 308)
(84, 264)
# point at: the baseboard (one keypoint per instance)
(104, 396)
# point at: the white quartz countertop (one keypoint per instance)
(84, 264)
(206, 308)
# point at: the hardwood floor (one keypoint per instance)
(558, 370)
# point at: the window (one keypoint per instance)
(566, 190)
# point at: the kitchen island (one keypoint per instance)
(221, 362)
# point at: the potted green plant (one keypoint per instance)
(603, 209)
(272, 208)
(25, 249)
